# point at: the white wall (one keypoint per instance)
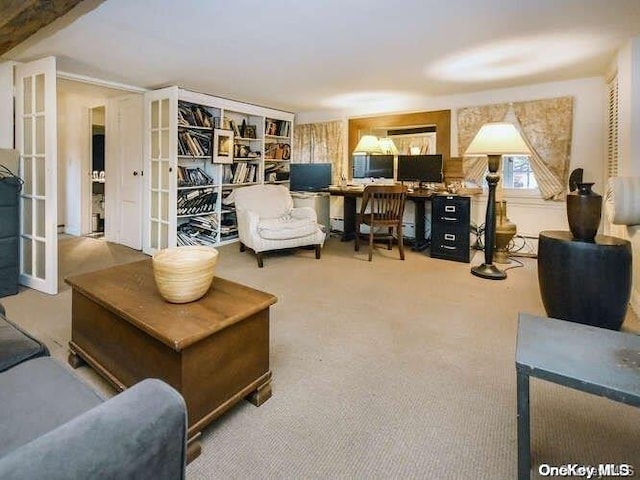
(74, 136)
(587, 146)
(6, 105)
(628, 67)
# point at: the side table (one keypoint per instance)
(554, 350)
(585, 282)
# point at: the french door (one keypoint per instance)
(36, 140)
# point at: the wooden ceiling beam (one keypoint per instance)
(19, 19)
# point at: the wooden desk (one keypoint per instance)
(590, 359)
(349, 210)
(214, 351)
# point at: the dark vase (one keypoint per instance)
(584, 208)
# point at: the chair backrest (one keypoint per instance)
(268, 201)
(384, 202)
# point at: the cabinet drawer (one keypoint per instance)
(452, 243)
(450, 210)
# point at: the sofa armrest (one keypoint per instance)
(304, 212)
(140, 433)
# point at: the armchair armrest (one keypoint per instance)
(247, 226)
(140, 433)
(304, 212)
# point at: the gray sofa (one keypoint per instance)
(55, 426)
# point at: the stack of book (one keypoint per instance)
(201, 200)
(198, 231)
(279, 128)
(193, 177)
(242, 172)
(195, 143)
(190, 115)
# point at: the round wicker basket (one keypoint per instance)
(184, 274)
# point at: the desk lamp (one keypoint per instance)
(494, 140)
(368, 145)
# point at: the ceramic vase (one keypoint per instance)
(584, 208)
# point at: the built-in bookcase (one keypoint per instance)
(199, 149)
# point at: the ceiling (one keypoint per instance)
(314, 55)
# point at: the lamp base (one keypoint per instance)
(488, 271)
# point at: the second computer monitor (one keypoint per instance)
(420, 168)
(373, 166)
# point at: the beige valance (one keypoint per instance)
(546, 127)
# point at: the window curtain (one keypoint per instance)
(320, 143)
(545, 126)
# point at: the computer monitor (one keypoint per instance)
(372, 166)
(420, 168)
(309, 177)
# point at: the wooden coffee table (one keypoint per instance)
(214, 351)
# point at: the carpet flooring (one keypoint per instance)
(383, 369)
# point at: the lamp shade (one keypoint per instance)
(388, 147)
(368, 145)
(498, 138)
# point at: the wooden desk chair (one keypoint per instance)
(385, 205)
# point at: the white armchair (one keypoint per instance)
(267, 220)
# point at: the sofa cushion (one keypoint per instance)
(36, 397)
(16, 346)
(286, 227)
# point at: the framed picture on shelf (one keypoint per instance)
(250, 131)
(222, 146)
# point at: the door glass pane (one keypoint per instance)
(155, 202)
(164, 235)
(27, 142)
(154, 235)
(40, 175)
(40, 259)
(165, 175)
(27, 216)
(165, 144)
(40, 135)
(155, 145)
(155, 171)
(27, 172)
(28, 105)
(27, 257)
(164, 206)
(40, 93)
(40, 218)
(164, 113)
(155, 122)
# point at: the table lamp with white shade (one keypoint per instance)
(494, 140)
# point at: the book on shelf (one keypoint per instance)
(190, 115)
(196, 201)
(197, 144)
(193, 177)
(277, 128)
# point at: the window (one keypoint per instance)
(517, 173)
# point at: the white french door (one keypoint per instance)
(161, 112)
(36, 140)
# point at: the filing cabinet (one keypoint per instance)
(450, 227)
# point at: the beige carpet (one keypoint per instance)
(386, 369)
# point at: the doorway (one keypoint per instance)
(98, 175)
